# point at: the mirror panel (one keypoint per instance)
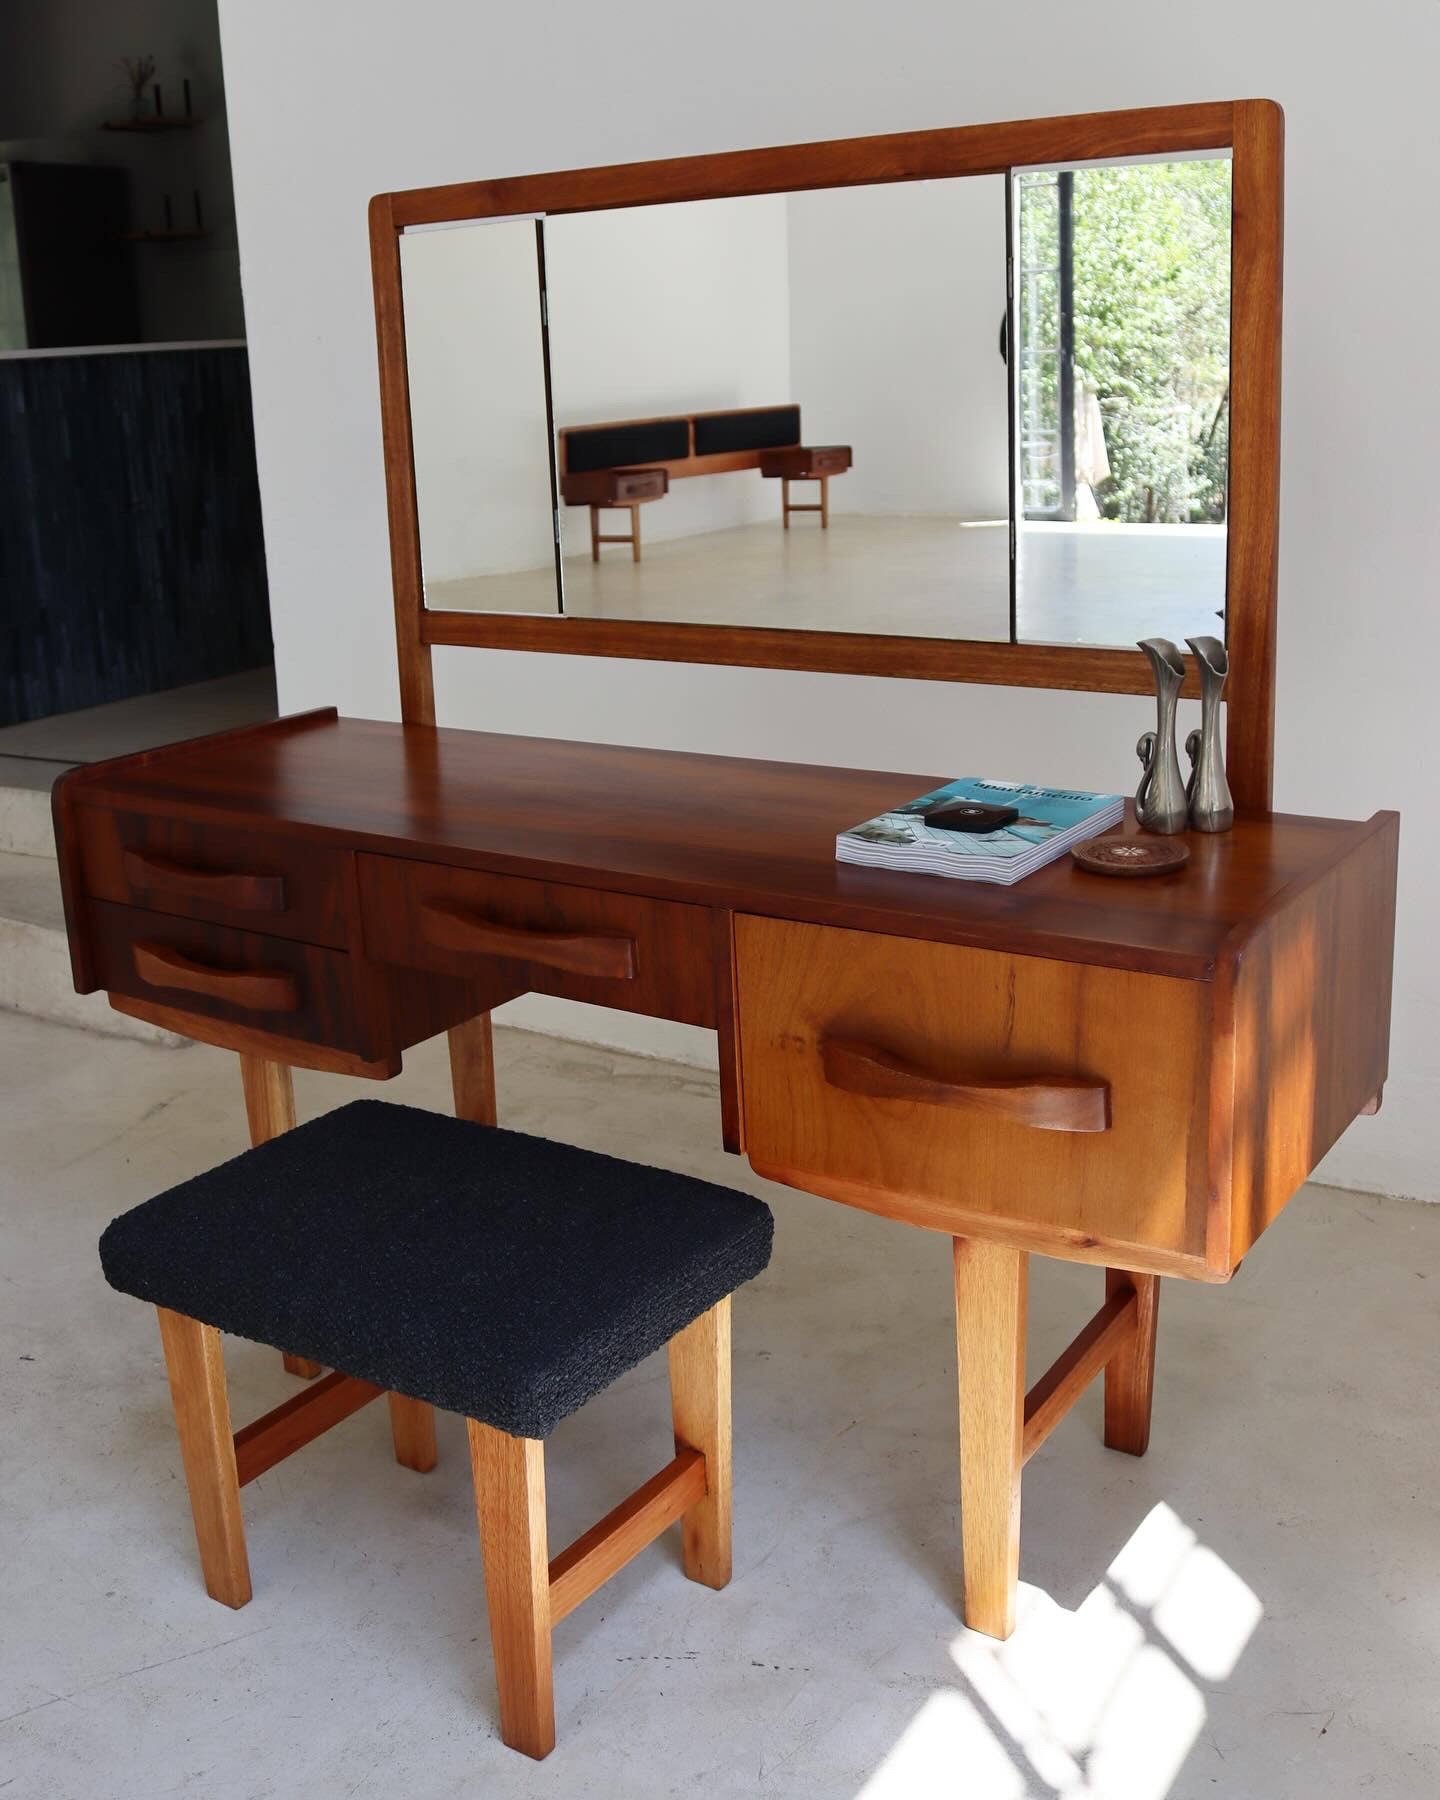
(1122, 303)
(720, 340)
(475, 357)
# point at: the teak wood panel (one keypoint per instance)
(403, 904)
(248, 879)
(733, 832)
(1309, 1013)
(321, 1011)
(1135, 1191)
(1251, 129)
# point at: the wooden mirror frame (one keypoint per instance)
(1253, 132)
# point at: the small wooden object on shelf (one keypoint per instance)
(1131, 856)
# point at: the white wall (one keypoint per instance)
(671, 309)
(896, 297)
(473, 354)
(338, 99)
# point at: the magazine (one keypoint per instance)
(1046, 822)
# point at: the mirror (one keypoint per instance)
(474, 348)
(800, 409)
(753, 359)
(1122, 393)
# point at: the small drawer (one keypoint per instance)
(640, 484)
(945, 1085)
(275, 984)
(618, 950)
(285, 887)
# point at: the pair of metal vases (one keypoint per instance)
(1164, 801)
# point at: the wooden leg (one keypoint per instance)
(472, 1069)
(594, 534)
(991, 1282)
(824, 502)
(700, 1405)
(207, 1448)
(412, 1426)
(1130, 1375)
(510, 1504)
(270, 1108)
(635, 533)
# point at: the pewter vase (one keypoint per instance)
(1208, 792)
(1160, 802)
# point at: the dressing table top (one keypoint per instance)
(721, 831)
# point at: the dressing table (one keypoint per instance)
(1133, 1075)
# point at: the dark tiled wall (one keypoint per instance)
(131, 556)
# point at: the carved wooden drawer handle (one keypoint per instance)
(256, 990)
(1044, 1102)
(246, 893)
(600, 953)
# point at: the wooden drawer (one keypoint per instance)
(284, 886)
(295, 990)
(964, 1089)
(644, 956)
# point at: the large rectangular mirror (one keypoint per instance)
(982, 404)
(799, 409)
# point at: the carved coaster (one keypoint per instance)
(1131, 856)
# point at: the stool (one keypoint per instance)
(451, 1264)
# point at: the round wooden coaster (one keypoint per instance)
(1131, 856)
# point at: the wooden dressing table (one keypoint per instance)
(1134, 1075)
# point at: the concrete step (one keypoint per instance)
(25, 827)
(35, 955)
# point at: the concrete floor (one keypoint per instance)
(922, 577)
(1251, 1611)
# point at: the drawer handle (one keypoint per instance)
(454, 928)
(255, 990)
(246, 893)
(1044, 1102)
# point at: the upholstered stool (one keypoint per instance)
(456, 1265)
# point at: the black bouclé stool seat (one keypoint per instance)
(493, 1274)
(450, 1264)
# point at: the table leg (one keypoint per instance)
(472, 1069)
(270, 1109)
(1130, 1375)
(991, 1285)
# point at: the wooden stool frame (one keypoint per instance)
(598, 537)
(527, 1592)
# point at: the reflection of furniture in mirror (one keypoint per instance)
(802, 463)
(625, 461)
(614, 489)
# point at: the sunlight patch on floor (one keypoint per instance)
(1102, 1703)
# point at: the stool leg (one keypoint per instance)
(270, 1108)
(700, 1405)
(412, 1426)
(510, 1504)
(785, 500)
(824, 502)
(196, 1366)
(594, 534)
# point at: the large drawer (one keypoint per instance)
(958, 1088)
(284, 886)
(295, 990)
(617, 950)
